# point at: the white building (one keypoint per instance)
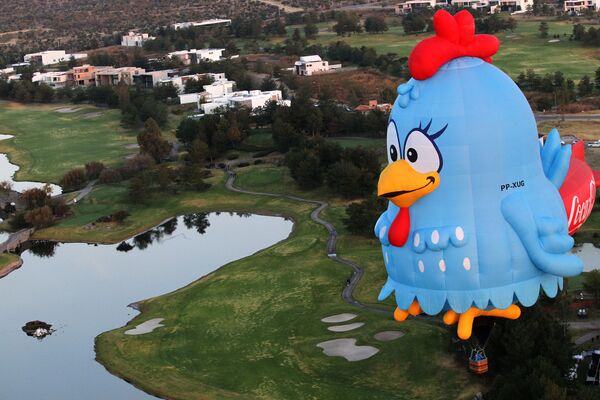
(51, 57)
(133, 39)
(192, 98)
(579, 6)
(179, 81)
(409, 6)
(219, 88)
(194, 56)
(206, 22)
(309, 65)
(250, 99)
(52, 79)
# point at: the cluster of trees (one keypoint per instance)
(138, 105)
(211, 136)
(347, 172)
(362, 215)
(546, 91)
(590, 37)
(40, 209)
(530, 358)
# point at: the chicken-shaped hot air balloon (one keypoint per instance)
(475, 224)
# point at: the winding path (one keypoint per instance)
(357, 271)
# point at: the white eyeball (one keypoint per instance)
(421, 153)
(393, 145)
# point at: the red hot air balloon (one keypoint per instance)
(578, 191)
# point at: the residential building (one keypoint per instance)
(579, 6)
(150, 79)
(134, 39)
(53, 79)
(409, 6)
(179, 81)
(51, 57)
(112, 76)
(194, 56)
(310, 65)
(514, 5)
(192, 98)
(219, 88)
(85, 75)
(207, 22)
(373, 105)
(252, 99)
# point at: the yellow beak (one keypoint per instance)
(400, 183)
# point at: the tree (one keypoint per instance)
(375, 24)
(93, 169)
(296, 37)
(34, 198)
(311, 30)
(543, 28)
(585, 87)
(74, 179)
(198, 151)
(591, 283)
(138, 189)
(347, 23)
(363, 215)
(152, 143)
(39, 217)
(268, 84)
(284, 135)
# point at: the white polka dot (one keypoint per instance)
(467, 263)
(417, 239)
(421, 266)
(382, 232)
(442, 265)
(435, 237)
(459, 232)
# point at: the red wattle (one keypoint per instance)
(398, 234)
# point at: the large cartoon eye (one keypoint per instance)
(393, 147)
(421, 153)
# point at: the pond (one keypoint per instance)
(590, 256)
(7, 173)
(83, 290)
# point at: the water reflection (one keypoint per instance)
(83, 290)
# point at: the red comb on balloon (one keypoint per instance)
(454, 37)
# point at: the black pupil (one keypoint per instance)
(412, 155)
(393, 153)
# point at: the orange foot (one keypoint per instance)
(465, 320)
(401, 315)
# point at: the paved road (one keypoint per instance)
(357, 271)
(567, 117)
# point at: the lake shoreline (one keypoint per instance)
(10, 267)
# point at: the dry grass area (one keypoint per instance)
(585, 130)
(352, 87)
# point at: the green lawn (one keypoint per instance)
(7, 258)
(519, 50)
(250, 329)
(48, 143)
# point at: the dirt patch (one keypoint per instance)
(146, 327)
(352, 87)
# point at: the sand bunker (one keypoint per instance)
(348, 349)
(345, 328)
(553, 40)
(146, 327)
(92, 115)
(132, 146)
(388, 336)
(336, 319)
(65, 110)
(5, 137)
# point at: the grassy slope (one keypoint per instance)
(519, 50)
(251, 328)
(48, 143)
(7, 258)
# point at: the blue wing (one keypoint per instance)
(555, 159)
(545, 239)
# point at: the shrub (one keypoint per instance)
(18, 221)
(74, 179)
(110, 175)
(262, 153)
(243, 164)
(233, 156)
(59, 207)
(34, 198)
(39, 217)
(93, 169)
(119, 216)
(259, 161)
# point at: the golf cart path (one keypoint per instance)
(357, 271)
